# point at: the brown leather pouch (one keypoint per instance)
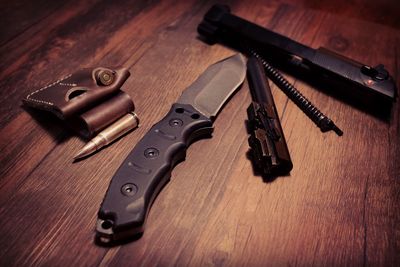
(88, 100)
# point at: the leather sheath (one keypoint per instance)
(88, 100)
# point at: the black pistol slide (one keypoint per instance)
(373, 87)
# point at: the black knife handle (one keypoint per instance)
(146, 170)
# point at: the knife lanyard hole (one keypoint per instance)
(107, 224)
(179, 110)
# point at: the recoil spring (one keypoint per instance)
(322, 121)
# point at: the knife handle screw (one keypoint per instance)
(175, 122)
(151, 152)
(129, 189)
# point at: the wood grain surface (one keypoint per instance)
(339, 206)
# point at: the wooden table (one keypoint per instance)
(339, 206)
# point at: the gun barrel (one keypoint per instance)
(266, 139)
(259, 88)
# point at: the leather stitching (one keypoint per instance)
(29, 97)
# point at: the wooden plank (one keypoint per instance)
(20, 15)
(381, 12)
(338, 206)
(107, 53)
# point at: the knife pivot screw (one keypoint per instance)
(175, 122)
(129, 189)
(104, 77)
(151, 152)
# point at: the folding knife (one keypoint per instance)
(148, 167)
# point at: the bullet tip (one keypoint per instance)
(88, 149)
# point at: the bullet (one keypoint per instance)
(110, 134)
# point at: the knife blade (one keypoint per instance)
(148, 167)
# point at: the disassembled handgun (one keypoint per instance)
(148, 167)
(372, 87)
(269, 150)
